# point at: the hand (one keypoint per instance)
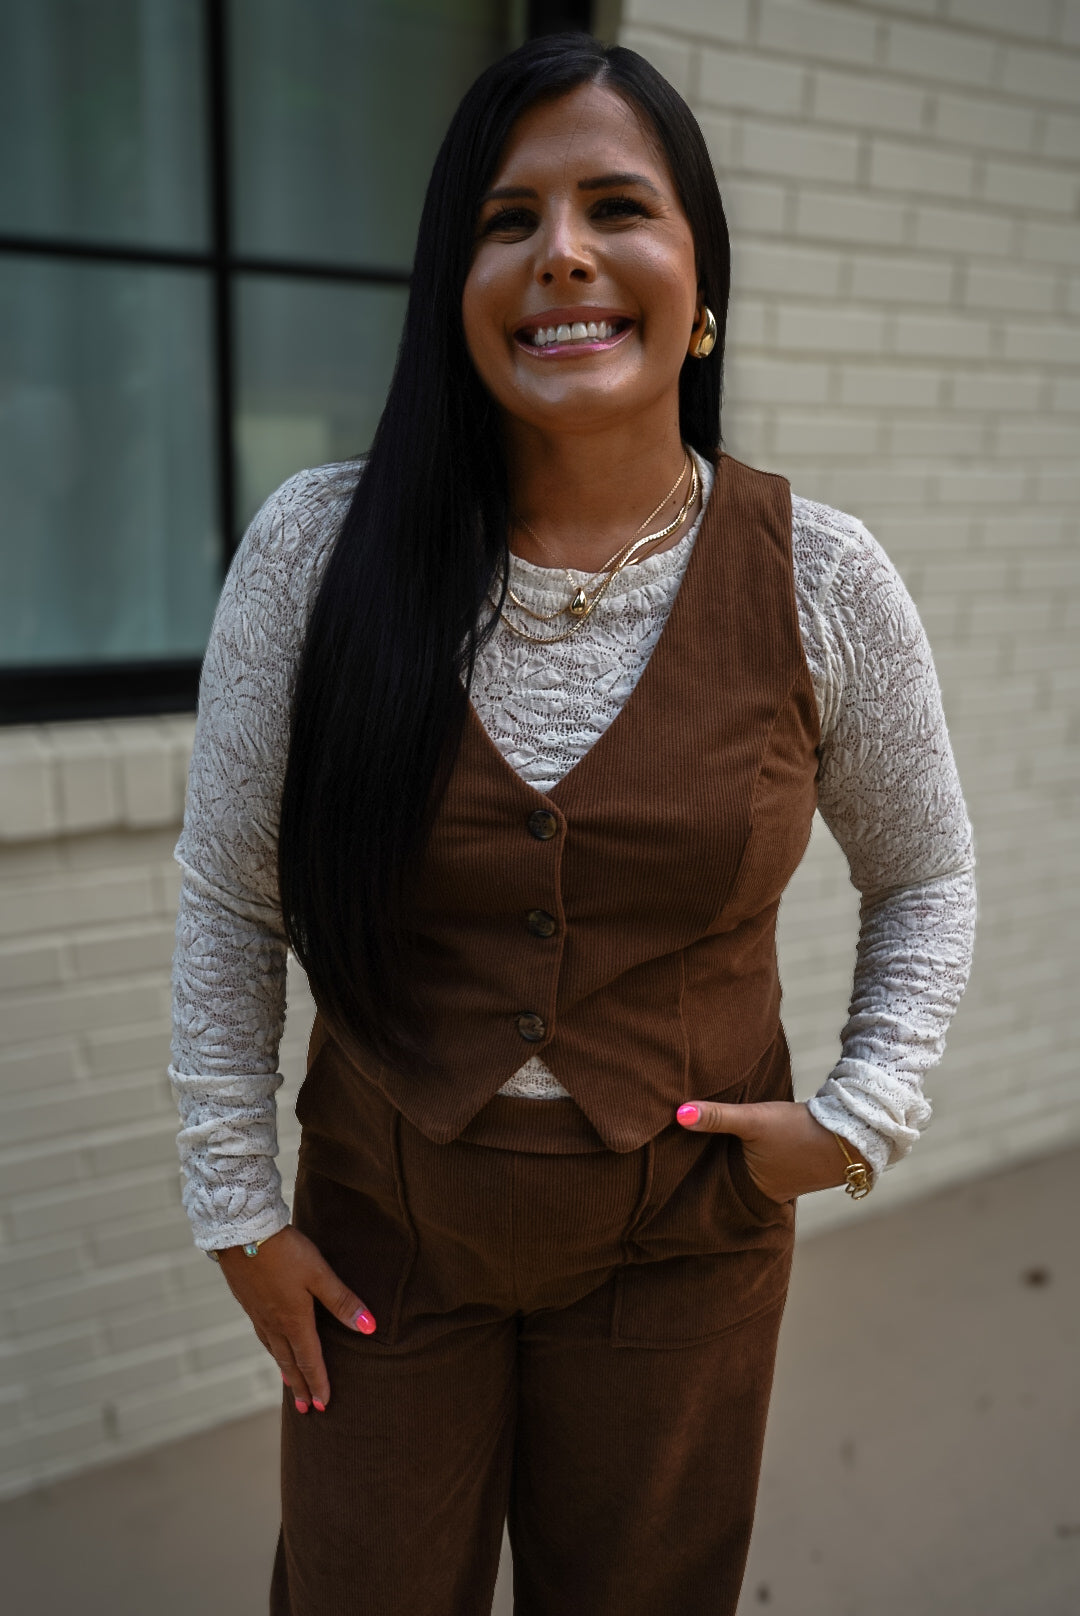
(276, 1289)
(787, 1152)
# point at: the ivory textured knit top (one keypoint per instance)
(887, 790)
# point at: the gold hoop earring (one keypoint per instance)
(705, 344)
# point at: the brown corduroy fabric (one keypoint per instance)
(577, 1300)
(661, 862)
(580, 1342)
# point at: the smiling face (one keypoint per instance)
(582, 296)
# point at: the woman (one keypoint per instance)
(550, 1152)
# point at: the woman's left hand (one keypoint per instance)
(787, 1152)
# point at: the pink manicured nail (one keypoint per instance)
(688, 1114)
(301, 1408)
(320, 1406)
(364, 1321)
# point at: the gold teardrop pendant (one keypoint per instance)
(580, 604)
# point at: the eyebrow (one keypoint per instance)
(597, 182)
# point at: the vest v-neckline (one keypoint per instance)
(706, 537)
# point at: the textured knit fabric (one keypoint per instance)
(580, 1344)
(887, 789)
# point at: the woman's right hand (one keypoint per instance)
(277, 1290)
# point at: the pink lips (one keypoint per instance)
(563, 350)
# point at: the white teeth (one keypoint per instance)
(594, 331)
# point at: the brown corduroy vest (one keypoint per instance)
(621, 925)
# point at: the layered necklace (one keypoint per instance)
(582, 602)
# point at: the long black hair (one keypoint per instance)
(400, 614)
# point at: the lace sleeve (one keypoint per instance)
(889, 792)
(229, 962)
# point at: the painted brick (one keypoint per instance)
(671, 58)
(128, 1048)
(893, 278)
(820, 434)
(35, 1262)
(1072, 296)
(778, 382)
(1034, 19)
(147, 781)
(830, 33)
(984, 486)
(748, 82)
(38, 1167)
(901, 387)
(1052, 243)
(1030, 185)
(49, 1350)
(28, 798)
(119, 953)
(87, 784)
(31, 965)
(1059, 486)
(761, 267)
(217, 1395)
(849, 216)
(942, 335)
(985, 122)
(98, 1294)
(89, 1386)
(996, 390)
(920, 169)
(964, 230)
(798, 152)
(1070, 23)
(830, 331)
(722, 137)
(1061, 136)
(77, 901)
(937, 53)
(77, 1108)
(935, 439)
(1035, 440)
(128, 1240)
(38, 1065)
(747, 325)
(1045, 343)
(754, 207)
(917, 8)
(1043, 75)
(989, 286)
(715, 19)
(77, 1209)
(863, 101)
(77, 1007)
(131, 1147)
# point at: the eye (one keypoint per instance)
(620, 207)
(508, 220)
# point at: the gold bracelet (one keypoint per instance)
(857, 1176)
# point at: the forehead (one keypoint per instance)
(591, 130)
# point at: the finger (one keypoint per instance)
(710, 1116)
(307, 1354)
(343, 1303)
(291, 1373)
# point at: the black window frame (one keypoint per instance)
(72, 691)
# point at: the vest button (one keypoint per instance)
(540, 923)
(543, 825)
(531, 1027)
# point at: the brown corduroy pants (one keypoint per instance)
(575, 1341)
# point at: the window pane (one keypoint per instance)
(339, 111)
(315, 360)
(102, 120)
(108, 541)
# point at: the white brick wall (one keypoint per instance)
(116, 1333)
(901, 177)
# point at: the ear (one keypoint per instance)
(698, 327)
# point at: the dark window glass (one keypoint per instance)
(338, 112)
(314, 363)
(102, 121)
(109, 547)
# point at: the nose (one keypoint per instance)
(563, 252)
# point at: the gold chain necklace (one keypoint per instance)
(579, 598)
(581, 617)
